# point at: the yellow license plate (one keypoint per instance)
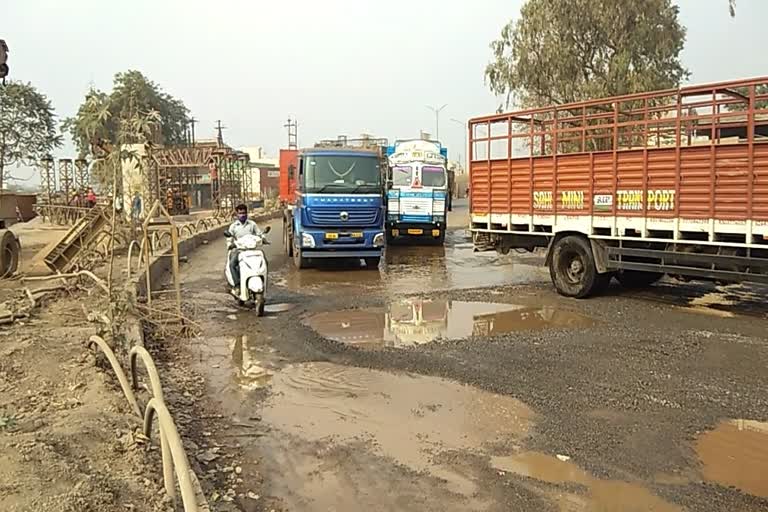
(331, 236)
(435, 232)
(415, 231)
(356, 235)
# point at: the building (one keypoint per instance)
(265, 174)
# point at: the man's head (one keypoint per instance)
(241, 211)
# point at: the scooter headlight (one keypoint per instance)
(307, 240)
(378, 240)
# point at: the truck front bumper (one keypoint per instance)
(347, 243)
(413, 230)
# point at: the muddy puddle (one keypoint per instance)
(414, 321)
(404, 419)
(735, 454)
(603, 495)
(410, 269)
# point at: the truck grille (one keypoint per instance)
(320, 216)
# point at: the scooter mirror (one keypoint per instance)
(267, 229)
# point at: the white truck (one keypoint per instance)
(418, 191)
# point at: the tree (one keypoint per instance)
(100, 114)
(561, 51)
(27, 127)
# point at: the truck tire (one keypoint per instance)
(299, 260)
(287, 239)
(572, 268)
(637, 279)
(372, 263)
(10, 253)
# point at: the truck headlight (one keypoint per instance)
(378, 240)
(307, 240)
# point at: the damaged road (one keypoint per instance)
(453, 380)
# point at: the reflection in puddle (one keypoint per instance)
(603, 495)
(407, 418)
(250, 373)
(415, 321)
(736, 454)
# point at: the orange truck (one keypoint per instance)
(632, 187)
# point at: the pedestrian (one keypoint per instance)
(119, 204)
(136, 206)
(90, 198)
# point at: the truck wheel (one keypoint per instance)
(372, 263)
(298, 259)
(10, 252)
(637, 278)
(572, 268)
(287, 239)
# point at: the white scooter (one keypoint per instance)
(253, 269)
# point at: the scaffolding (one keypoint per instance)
(82, 175)
(65, 178)
(48, 179)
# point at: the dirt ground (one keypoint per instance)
(69, 441)
(453, 380)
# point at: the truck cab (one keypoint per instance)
(333, 198)
(418, 191)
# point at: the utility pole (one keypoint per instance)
(192, 123)
(293, 133)
(437, 119)
(220, 136)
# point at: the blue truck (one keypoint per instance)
(332, 197)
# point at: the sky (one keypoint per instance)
(337, 67)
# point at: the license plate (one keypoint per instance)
(356, 235)
(415, 231)
(332, 236)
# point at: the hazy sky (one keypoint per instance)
(338, 67)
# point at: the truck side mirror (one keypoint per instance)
(227, 234)
(267, 229)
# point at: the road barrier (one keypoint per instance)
(174, 457)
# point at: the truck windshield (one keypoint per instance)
(401, 176)
(342, 174)
(433, 176)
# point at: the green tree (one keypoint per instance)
(561, 51)
(27, 127)
(100, 114)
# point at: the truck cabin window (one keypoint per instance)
(401, 176)
(342, 174)
(433, 176)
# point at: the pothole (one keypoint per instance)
(601, 494)
(735, 454)
(415, 321)
(405, 418)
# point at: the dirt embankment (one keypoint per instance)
(69, 440)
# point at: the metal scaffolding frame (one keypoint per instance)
(65, 178)
(48, 179)
(82, 175)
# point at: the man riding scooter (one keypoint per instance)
(241, 227)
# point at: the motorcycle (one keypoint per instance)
(253, 269)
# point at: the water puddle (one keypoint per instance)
(736, 454)
(413, 269)
(408, 419)
(603, 495)
(415, 321)
(279, 308)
